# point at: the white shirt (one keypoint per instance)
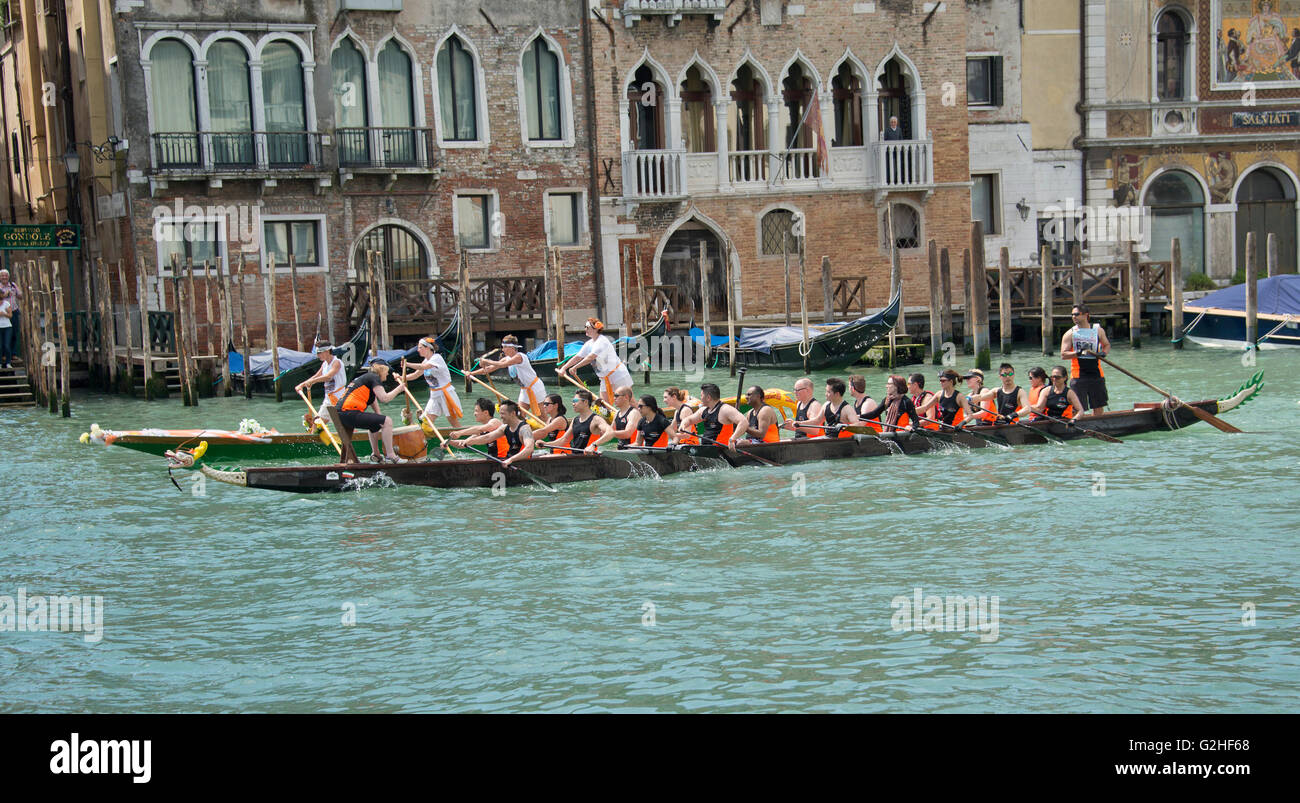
(523, 373)
(5, 321)
(607, 360)
(339, 381)
(436, 372)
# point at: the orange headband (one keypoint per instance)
(595, 323)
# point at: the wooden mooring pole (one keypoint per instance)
(1004, 299)
(945, 291)
(979, 296)
(1134, 300)
(1252, 292)
(936, 301)
(1176, 291)
(1045, 307)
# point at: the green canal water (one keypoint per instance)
(1171, 588)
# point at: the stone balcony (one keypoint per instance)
(671, 11)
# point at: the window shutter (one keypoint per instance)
(995, 81)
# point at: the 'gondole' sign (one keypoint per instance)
(40, 237)
(1264, 119)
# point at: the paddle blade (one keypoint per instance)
(1217, 423)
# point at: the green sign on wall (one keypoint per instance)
(40, 237)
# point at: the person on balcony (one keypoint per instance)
(893, 132)
(895, 166)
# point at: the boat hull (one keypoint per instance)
(1229, 331)
(225, 446)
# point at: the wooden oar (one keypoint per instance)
(406, 411)
(532, 418)
(536, 479)
(985, 436)
(333, 440)
(583, 385)
(1217, 423)
(1044, 433)
(411, 398)
(750, 455)
(922, 431)
(1092, 433)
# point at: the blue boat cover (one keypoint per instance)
(1279, 295)
(260, 365)
(697, 335)
(393, 355)
(546, 351)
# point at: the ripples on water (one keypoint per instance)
(764, 601)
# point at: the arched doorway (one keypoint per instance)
(1266, 203)
(403, 255)
(1177, 210)
(679, 265)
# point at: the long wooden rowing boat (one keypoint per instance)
(481, 473)
(232, 445)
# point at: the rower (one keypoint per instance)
(553, 414)
(836, 412)
(718, 422)
(978, 401)
(513, 437)
(1058, 401)
(1037, 385)
(600, 350)
(626, 418)
(517, 364)
(585, 424)
(442, 396)
(652, 429)
(919, 395)
(760, 423)
(367, 391)
(858, 390)
(484, 409)
(895, 411)
(1010, 400)
(946, 405)
(806, 408)
(1081, 345)
(331, 372)
(675, 399)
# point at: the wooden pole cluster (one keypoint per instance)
(31, 326)
(1045, 308)
(979, 296)
(192, 346)
(272, 330)
(466, 325)
(1252, 292)
(1004, 299)
(182, 333)
(704, 296)
(372, 304)
(108, 328)
(640, 288)
(146, 339)
(1176, 291)
(243, 324)
(936, 301)
(381, 289)
(731, 304)
(49, 336)
(293, 291)
(945, 290)
(227, 330)
(559, 303)
(209, 319)
(967, 318)
(1135, 300)
(130, 333)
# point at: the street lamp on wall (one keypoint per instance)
(1023, 209)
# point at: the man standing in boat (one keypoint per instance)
(331, 372)
(531, 390)
(367, 391)
(442, 396)
(1081, 345)
(600, 350)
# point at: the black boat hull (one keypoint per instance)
(838, 348)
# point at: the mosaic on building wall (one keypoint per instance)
(1256, 41)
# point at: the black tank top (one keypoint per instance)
(833, 416)
(1057, 402)
(620, 423)
(581, 432)
(1008, 403)
(863, 406)
(710, 427)
(514, 441)
(948, 407)
(652, 428)
(801, 414)
(555, 436)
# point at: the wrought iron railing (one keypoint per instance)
(386, 148)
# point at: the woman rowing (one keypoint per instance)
(652, 429)
(517, 364)
(1037, 385)
(978, 399)
(919, 395)
(599, 350)
(442, 396)
(555, 423)
(1058, 401)
(895, 411)
(947, 404)
(585, 428)
(676, 399)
